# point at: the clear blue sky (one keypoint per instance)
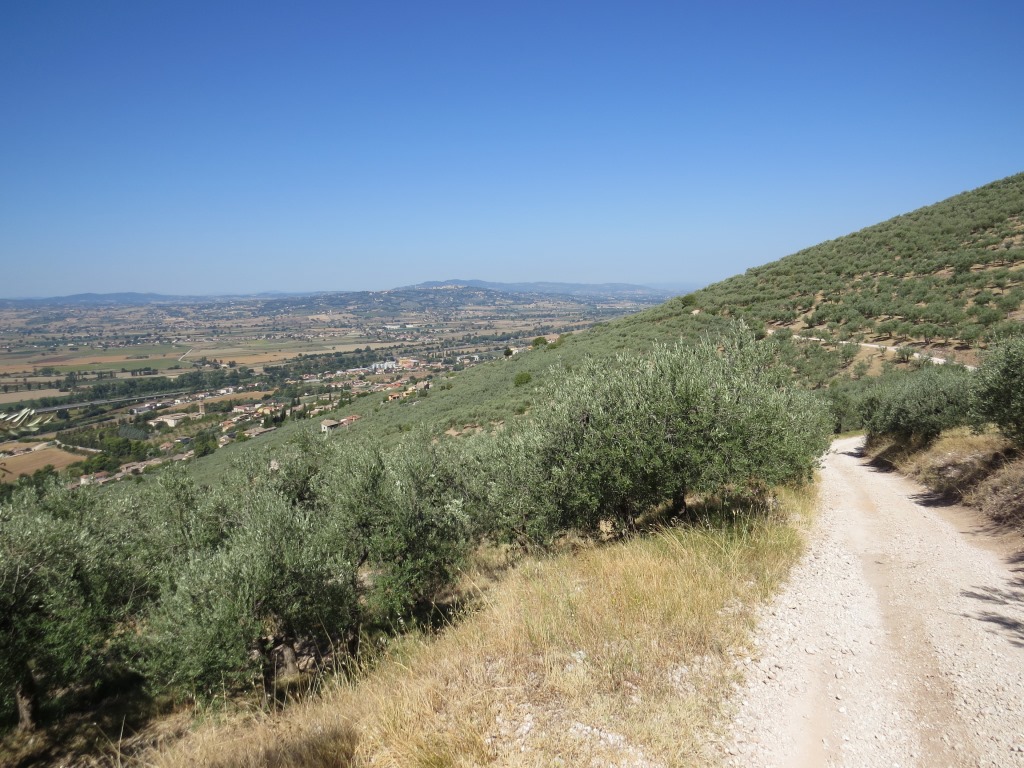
(211, 147)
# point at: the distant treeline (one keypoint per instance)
(111, 389)
(328, 361)
(117, 444)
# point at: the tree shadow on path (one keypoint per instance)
(1003, 608)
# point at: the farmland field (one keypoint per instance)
(27, 463)
(270, 351)
(17, 397)
(87, 358)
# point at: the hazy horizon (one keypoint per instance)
(230, 148)
(667, 288)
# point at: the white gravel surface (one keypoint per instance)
(898, 641)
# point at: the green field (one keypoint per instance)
(87, 358)
(158, 363)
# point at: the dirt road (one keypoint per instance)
(899, 639)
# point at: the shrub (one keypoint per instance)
(599, 454)
(401, 514)
(275, 577)
(999, 390)
(71, 575)
(417, 548)
(522, 378)
(735, 422)
(715, 418)
(918, 404)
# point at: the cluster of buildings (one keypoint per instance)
(254, 414)
(129, 469)
(186, 399)
(329, 425)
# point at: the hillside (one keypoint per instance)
(950, 275)
(593, 290)
(337, 543)
(949, 272)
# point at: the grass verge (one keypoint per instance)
(983, 471)
(615, 654)
(949, 466)
(1001, 494)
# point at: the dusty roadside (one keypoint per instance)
(899, 639)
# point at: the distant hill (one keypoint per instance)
(951, 270)
(473, 290)
(598, 290)
(131, 298)
(128, 298)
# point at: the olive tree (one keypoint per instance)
(918, 404)
(402, 516)
(999, 388)
(719, 417)
(69, 577)
(272, 580)
(733, 421)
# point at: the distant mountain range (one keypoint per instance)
(578, 290)
(97, 298)
(624, 290)
(138, 299)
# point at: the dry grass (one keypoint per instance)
(617, 654)
(951, 465)
(957, 461)
(27, 463)
(17, 397)
(982, 470)
(1001, 494)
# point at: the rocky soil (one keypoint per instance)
(898, 641)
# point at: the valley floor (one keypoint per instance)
(899, 639)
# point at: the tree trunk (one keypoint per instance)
(353, 639)
(290, 663)
(25, 699)
(679, 504)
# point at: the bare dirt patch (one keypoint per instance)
(27, 463)
(17, 397)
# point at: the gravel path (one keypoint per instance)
(898, 641)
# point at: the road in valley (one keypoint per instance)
(898, 640)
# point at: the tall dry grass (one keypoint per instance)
(1001, 494)
(616, 654)
(952, 465)
(983, 470)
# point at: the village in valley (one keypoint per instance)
(129, 384)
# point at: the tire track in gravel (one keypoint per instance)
(896, 641)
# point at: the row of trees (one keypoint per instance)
(920, 404)
(303, 553)
(108, 389)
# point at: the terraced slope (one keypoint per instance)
(952, 272)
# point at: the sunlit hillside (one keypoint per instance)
(949, 277)
(950, 272)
